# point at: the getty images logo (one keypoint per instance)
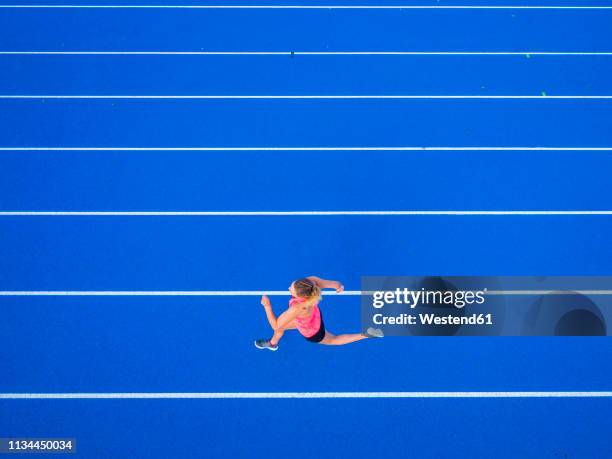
(413, 298)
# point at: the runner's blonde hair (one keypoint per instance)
(306, 288)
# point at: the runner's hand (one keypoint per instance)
(265, 301)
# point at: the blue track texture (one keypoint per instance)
(204, 344)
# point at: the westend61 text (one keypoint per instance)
(433, 319)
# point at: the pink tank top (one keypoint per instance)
(308, 325)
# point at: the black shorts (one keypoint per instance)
(318, 336)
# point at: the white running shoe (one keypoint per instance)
(374, 333)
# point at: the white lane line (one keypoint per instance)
(203, 293)
(335, 97)
(309, 53)
(301, 213)
(305, 148)
(548, 292)
(329, 7)
(166, 293)
(305, 395)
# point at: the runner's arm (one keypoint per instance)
(322, 283)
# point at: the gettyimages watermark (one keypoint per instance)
(487, 305)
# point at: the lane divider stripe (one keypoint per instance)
(399, 148)
(306, 395)
(298, 97)
(259, 292)
(323, 213)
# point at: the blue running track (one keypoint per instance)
(96, 116)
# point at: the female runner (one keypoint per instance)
(304, 315)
